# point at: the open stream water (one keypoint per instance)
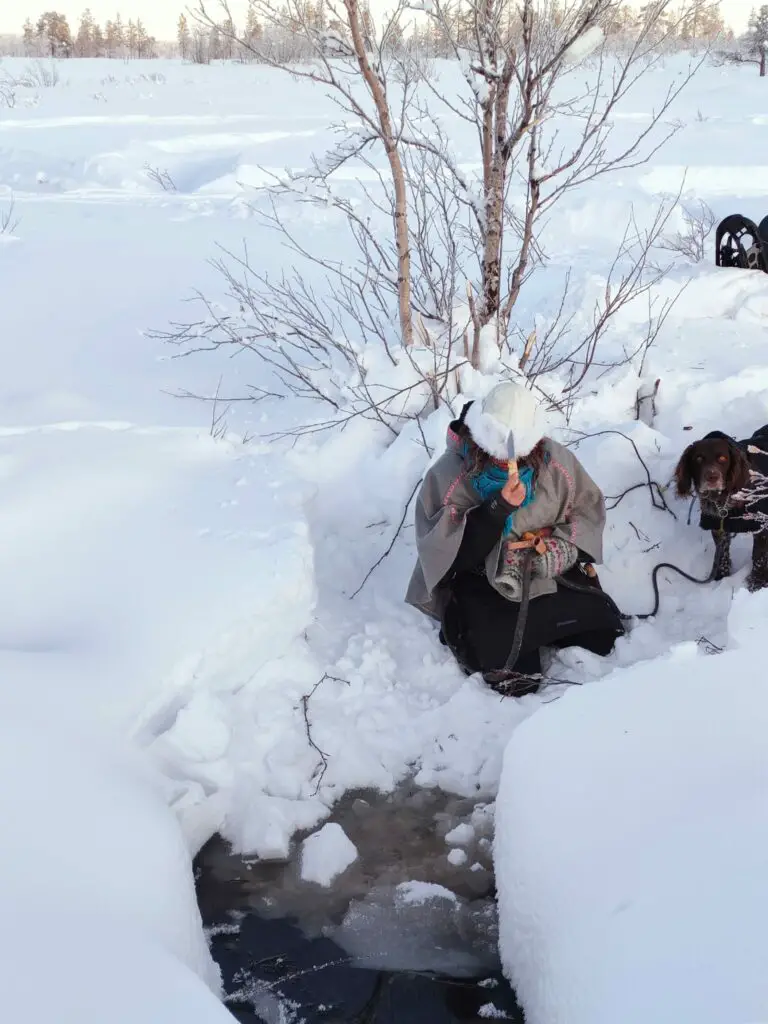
(406, 935)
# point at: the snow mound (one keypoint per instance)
(422, 892)
(326, 855)
(632, 825)
(95, 867)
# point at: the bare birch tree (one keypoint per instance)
(342, 55)
(438, 287)
(541, 131)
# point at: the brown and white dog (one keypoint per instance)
(726, 475)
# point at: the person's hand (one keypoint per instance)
(514, 491)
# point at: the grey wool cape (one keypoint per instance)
(566, 499)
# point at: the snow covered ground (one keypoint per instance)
(97, 901)
(184, 591)
(632, 829)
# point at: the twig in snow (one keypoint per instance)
(641, 536)
(709, 646)
(161, 177)
(323, 766)
(554, 681)
(218, 422)
(378, 561)
(654, 488)
(8, 222)
(691, 242)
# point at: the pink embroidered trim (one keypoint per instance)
(569, 502)
(446, 500)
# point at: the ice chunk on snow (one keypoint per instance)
(263, 824)
(631, 864)
(416, 926)
(583, 45)
(457, 857)
(422, 892)
(462, 835)
(326, 854)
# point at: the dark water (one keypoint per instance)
(378, 946)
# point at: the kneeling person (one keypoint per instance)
(476, 527)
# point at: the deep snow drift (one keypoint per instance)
(97, 901)
(193, 593)
(630, 850)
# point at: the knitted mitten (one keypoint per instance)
(559, 557)
(509, 576)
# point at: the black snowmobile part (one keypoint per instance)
(740, 243)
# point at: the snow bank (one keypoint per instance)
(97, 897)
(632, 828)
(134, 551)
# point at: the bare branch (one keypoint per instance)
(322, 768)
(698, 220)
(9, 222)
(396, 534)
(160, 177)
(655, 490)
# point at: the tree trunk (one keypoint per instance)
(396, 167)
(526, 241)
(762, 62)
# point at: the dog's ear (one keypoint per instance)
(737, 477)
(684, 473)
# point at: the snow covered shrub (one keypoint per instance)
(8, 88)
(438, 256)
(690, 242)
(751, 48)
(39, 75)
(757, 38)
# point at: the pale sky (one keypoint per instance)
(160, 16)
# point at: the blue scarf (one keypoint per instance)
(492, 479)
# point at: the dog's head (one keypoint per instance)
(713, 466)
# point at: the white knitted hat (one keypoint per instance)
(507, 407)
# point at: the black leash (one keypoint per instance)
(503, 674)
(587, 589)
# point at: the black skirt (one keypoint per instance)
(479, 624)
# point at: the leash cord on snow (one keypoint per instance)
(586, 589)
